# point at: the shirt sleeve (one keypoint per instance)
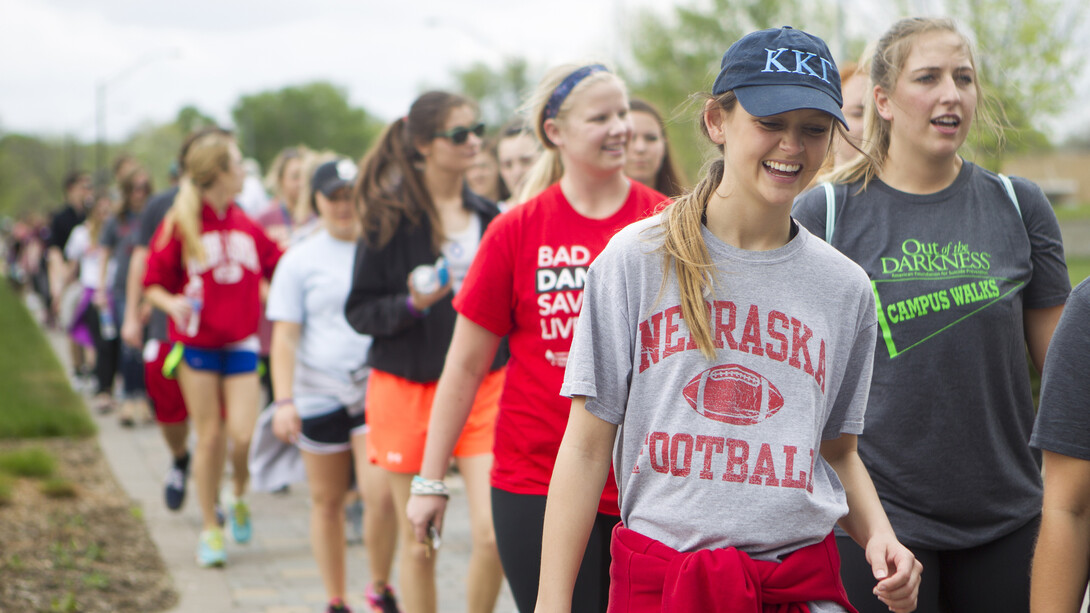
(600, 361)
(165, 264)
(850, 401)
(268, 251)
(286, 293)
(487, 296)
(809, 210)
(371, 307)
(1050, 283)
(78, 242)
(1063, 422)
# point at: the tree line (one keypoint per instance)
(1028, 53)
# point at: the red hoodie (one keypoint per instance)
(647, 576)
(238, 254)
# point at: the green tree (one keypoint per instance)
(1029, 55)
(498, 92)
(32, 170)
(317, 115)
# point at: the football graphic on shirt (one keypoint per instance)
(733, 394)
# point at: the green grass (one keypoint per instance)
(36, 399)
(29, 462)
(1078, 269)
(57, 488)
(1069, 212)
(7, 487)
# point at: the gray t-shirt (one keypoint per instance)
(309, 288)
(1063, 422)
(951, 409)
(726, 452)
(120, 235)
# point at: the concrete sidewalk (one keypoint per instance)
(275, 572)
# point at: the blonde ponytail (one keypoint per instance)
(184, 218)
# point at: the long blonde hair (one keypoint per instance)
(207, 157)
(548, 168)
(890, 54)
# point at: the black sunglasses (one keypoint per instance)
(460, 135)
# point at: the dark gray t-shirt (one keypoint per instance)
(154, 212)
(1063, 422)
(726, 452)
(119, 235)
(951, 409)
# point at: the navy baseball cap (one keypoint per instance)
(333, 175)
(779, 70)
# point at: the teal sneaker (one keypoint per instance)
(239, 518)
(210, 551)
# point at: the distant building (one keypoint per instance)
(1064, 175)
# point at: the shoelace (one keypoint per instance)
(241, 513)
(176, 478)
(214, 539)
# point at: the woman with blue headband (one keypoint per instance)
(527, 284)
(722, 362)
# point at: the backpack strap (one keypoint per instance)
(1007, 185)
(830, 211)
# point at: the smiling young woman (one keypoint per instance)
(968, 273)
(722, 362)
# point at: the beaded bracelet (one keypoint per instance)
(428, 487)
(282, 402)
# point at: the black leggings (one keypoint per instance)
(107, 351)
(519, 520)
(986, 578)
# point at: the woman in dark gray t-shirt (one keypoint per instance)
(968, 273)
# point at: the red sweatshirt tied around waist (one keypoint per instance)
(647, 576)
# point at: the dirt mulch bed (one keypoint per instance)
(87, 553)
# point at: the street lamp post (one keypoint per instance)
(100, 105)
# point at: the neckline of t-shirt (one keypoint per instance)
(717, 247)
(619, 214)
(944, 194)
(472, 231)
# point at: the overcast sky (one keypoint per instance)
(156, 56)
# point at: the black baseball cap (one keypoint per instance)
(779, 70)
(332, 176)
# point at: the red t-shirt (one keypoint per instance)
(237, 255)
(526, 282)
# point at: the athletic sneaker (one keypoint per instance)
(174, 492)
(381, 603)
(241, 530)
(210, 551)
(337, 606)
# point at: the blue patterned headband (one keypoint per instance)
(560, 94)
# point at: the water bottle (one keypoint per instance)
(107, 327)
(194, 292)
(428, 278)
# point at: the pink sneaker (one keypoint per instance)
(385, 602)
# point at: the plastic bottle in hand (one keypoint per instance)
(428, 278)
(107, 327)
(194, 292)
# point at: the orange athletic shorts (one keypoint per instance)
(398, 411)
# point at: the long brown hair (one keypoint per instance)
(391, 185)
(669, 179)
(890, 54)
(128, 187)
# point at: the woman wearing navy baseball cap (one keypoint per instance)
(722, 361)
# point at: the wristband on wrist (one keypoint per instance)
(415, 312)
(428, 487)
(282, 402)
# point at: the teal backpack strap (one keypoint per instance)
(830, 211)
(1007, 185)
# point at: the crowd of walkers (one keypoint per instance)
(799, 384)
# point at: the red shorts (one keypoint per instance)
(398, 411)
(165, 395)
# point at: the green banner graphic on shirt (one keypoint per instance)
(929, 288)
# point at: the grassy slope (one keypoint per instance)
(36, 399)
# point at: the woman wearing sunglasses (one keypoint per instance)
(416, 209)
